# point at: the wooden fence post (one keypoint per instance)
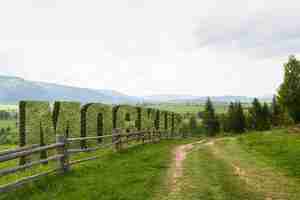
(117, 139)
(143, 137)
(63, 150)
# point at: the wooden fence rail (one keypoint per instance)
(64, 151)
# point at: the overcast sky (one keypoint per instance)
(145, 47)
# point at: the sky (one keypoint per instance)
(148, 47)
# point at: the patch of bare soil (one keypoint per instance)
(177, 169)
(180, 154)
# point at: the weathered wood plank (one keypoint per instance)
(89, 138)
(29, 165)
(29, 152)
(84, 160)
(2, 153)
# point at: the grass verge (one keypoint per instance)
(135, 173)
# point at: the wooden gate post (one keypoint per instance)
(63, 150)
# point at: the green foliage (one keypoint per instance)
(163, 120)
(210, 121)
(289, 91)
(169, 121)
(66, 117)
(259, 116)
(8, 134)
(192, 108)
(266, 115)
(193, 123)
(7, 115)
(147, 117)
(157, 117)
(277, 113)
(177, 123)
(235, 121)
(36, 125)
(96, 120)
(126, 117)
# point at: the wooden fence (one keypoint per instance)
(63, 153)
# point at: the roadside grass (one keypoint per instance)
(256, 165)
(280, 148)
(207, 177)
(135, 173)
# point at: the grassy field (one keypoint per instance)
(253, 166)
(9, 136)
(185, 108)
(257, 165)
(278, 148)
(136, 173)
(8, 123)
(8, 107)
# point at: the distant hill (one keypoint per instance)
(201, 99)
(14, 89)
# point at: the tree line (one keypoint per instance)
(7, 115)
(284, 109)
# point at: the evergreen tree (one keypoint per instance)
(193, 124)
(255, 115)
(236, 118)
(276, 113)
(260, 116)
(266, 117)
(289, 91)
(241, 119)
(231, 116)
(210, 120)
(223, 120)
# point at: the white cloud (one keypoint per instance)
(149, 47)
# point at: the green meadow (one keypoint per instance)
(189, 108)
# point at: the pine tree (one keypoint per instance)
(236, 118)
(276, 113)
(210, 120)
(266, 117)
(231, 116)
(260, 116)
(256, 115)
(241, 120)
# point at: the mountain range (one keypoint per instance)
(14, 89)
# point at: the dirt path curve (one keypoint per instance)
(180, 154)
